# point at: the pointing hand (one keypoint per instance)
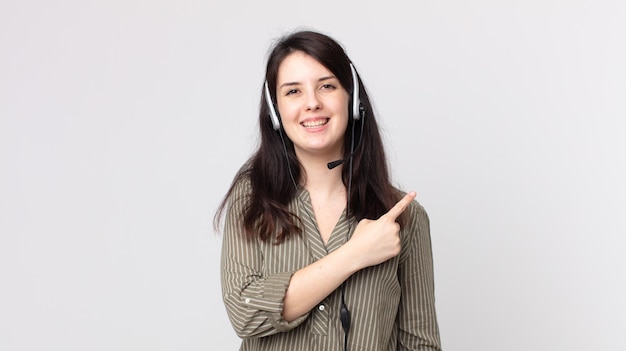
(376, 241)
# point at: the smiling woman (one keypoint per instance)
(320, 251)
(313, 108)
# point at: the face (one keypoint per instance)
(313, 107)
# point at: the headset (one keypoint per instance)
(357, 109)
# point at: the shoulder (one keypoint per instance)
(239, 193)
(242, 184)
(416, 210)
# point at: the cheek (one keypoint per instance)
(341, 108)
(343, 105)
(287, 111)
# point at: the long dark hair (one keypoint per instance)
(266, 214)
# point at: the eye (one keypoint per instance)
(291, 91)
(328, 87)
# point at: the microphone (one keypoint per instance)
(334, 164)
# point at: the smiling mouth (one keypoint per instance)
(315, 123)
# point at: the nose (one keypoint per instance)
(313, 102)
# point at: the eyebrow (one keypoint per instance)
(288, 84)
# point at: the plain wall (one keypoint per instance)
(122, 124)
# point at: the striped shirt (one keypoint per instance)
(392, 304)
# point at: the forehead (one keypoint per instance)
(299, 67)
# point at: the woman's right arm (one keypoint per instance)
(253, 300)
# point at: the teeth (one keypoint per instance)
(316, 123)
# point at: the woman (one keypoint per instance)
(320, 251)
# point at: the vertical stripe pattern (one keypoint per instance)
(392, 304)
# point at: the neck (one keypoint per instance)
(318, 178)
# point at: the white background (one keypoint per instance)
(122, 124)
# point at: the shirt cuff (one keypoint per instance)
(272, 301)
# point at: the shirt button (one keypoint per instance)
(321, 307)
(247, 300)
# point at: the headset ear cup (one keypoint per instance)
(356, 100)
(270, 106)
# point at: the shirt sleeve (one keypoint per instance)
(254, 301)
(417, 321)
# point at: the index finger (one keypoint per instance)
(398, 208)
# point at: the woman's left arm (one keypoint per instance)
(417, 319)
